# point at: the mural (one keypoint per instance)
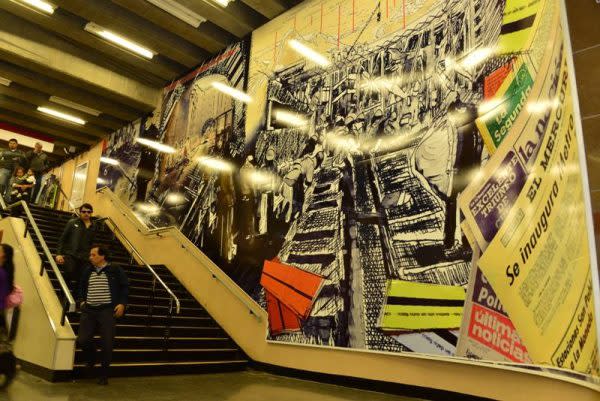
(368, 186)
(332, 195)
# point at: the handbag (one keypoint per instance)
(15, 298)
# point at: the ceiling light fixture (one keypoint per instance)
(234, 93)
(75, 106)
(223, 3)
(108, 160)
(161, 147)
(38, 5)
(178, 11)
(5, 82)
(119, 40)
(309, 53)
(61, 115)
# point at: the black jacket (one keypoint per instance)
(76, 240)
(117, 281)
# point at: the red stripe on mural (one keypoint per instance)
(339, 23)
(353, 11)
(321, 17)
(275, 48)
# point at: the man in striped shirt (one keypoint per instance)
(103, 291)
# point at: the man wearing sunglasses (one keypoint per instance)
(74, 245)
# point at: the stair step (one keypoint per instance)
(156, 331)
(158, 342)
(128, 369)
(175, 355)
(159, 320)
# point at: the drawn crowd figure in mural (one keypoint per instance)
(314, 219)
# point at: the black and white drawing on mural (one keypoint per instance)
(368, 189)
(363, 190)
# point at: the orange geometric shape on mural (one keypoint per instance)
(281, 318)
(293, 287)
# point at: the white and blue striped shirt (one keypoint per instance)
(98, 288)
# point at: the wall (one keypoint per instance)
(230, 306)
(351, 150)
(41, 340)
(67, 169)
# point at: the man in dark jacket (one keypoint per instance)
(75, 243)
(38, 162)
(9, 160)
(102, 296)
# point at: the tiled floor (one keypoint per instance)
(241, 386)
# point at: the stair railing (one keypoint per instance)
(252, 307)
(68, 304)
(173, 299)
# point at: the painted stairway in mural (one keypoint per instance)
(196, 343)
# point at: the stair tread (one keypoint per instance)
(197, 338)
(160, 363)
(117, 350)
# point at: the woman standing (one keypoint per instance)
(7, 275)
(7, 279)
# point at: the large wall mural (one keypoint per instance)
(335, 194)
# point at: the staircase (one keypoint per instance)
(193, 342)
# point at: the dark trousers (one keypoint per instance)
(36, 188)
(101, 320)
(73, 270)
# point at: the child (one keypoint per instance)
(22, 184)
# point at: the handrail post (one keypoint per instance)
(134, 253)
(168, 326)
(253, 308)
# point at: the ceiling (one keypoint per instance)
(52, 55)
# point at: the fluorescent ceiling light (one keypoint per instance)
(161, 147)
(108, 160)
(75, 106)
(309, 53)
(61, 115)
(288, 118)
(119, 40)
(223, 3)
(178, 11)
(37, 5)
(215, 163)
(5, 82)
(234, 93)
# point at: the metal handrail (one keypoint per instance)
(158, 231)
(116, 229)
(133, 250)
(70, 304)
